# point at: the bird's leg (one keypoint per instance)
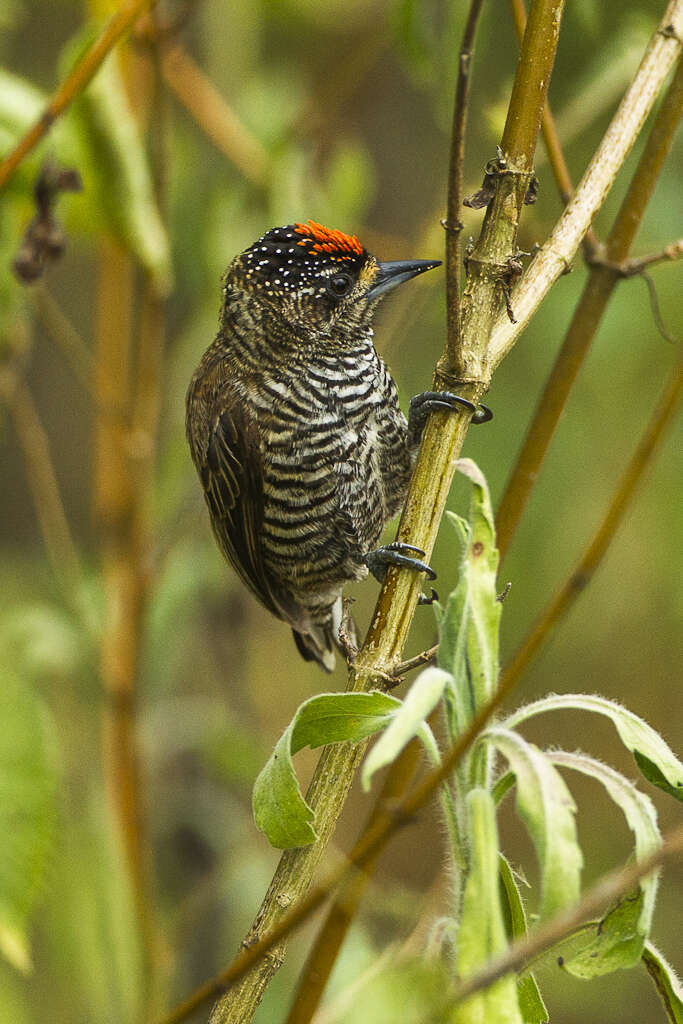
(421, 405)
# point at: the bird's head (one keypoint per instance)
(316, 279)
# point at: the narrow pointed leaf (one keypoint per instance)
(546, 807)
(652, 754)
(531, 1004)
(418, 704)
(279, 807)
(28, 783)
(667, 984)
(482, 930)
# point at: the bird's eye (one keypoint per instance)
(340, 284)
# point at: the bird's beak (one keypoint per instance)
(389, 275)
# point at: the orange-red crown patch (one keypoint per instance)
(335, 243)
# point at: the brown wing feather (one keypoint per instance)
(231, 474)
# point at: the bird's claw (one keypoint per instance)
(429, 401)
(394, 554)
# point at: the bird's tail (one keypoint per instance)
(318, 642)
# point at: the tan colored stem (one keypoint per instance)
(42, 480)
(323, 954)
(217, 120)
(556, 254)
(601, 282)
(587, 565)
(74, 83)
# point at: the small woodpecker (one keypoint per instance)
(295, 429)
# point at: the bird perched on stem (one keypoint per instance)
(295, 429)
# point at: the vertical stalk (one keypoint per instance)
(453, 224)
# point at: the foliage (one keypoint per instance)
(351, 107)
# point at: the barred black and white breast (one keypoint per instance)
(294, 424)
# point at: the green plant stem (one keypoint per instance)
(587, 565)
(442, 441)
(597, 293)
(74, 83)
(551, 140)
(453, 224)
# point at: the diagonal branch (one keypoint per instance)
(585, 568)
(602, 280)
(556, 254)
(610, 888)
(74, 83)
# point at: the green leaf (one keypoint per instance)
(667, 984)
(482, 929)
(469, 624)
(616, 942)
(531, 1004)
(408, 720)
(652, 754)
(614, 946)
(114, 166)
(279, 808)
(546, 807)
(28, 783)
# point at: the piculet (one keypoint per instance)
(295, 428)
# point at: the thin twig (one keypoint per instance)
(214, 116)
(452, 223)
(54, 525)
(74, 83)
(63, 332)
(587, 565)
(602, 280)
(556, 254)
(417, 661)
(610, 888)
(668, 254)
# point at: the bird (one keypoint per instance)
(295, 428)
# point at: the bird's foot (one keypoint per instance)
(395, 554)
(428, 401)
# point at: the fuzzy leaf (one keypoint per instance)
(619, 943)
(470, 621)
(28, 782)
(652, 754)
(408, 720)
(546, 807)
(531, 1004)
(279, 808)
(616, 943)
(482, 929)
(667, 984)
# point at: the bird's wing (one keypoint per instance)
(232, 476)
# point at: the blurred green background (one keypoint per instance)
(341, 113)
